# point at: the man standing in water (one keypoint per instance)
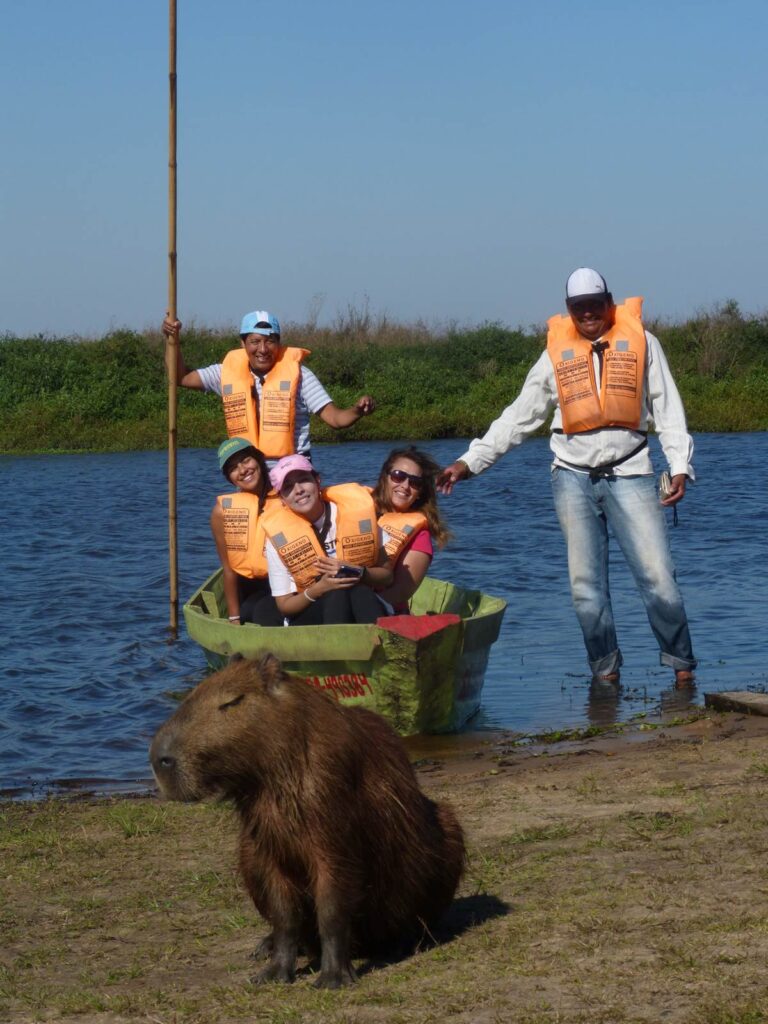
(267, 394)
(606, 380)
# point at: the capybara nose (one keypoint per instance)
(160, 755)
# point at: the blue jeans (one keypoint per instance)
(630, 505)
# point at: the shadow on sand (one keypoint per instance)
(464, 913)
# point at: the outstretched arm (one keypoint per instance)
(339, 419)
(451, 475)
(529, 411)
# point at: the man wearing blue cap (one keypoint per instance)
(604, 381)
(267, 394)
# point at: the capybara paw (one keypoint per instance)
(264, 949)
(338, 978)
(273, 972)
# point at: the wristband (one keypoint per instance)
(311, 599)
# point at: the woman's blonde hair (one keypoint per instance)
(426, 500)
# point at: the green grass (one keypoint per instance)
(110, 394)
(616, 911)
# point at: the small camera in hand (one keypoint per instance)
(350, 571)
(665, 486)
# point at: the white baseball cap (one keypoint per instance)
(586, 284)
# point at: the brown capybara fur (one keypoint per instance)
(339, 848)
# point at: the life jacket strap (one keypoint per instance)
(605, 469)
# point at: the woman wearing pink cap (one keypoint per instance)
(326, 554)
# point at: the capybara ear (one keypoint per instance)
(271, 671)
(237, 656)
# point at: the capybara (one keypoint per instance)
(340, 850)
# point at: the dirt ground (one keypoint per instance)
(611, 879)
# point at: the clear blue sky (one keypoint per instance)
(448, 160)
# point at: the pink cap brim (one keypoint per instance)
(290, 464)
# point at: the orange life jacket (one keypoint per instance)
(244, 532)
(296, 543)
(401, 526)
(619, 403)
(271, 427)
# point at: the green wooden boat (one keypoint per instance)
(423, 672)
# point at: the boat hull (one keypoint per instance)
(423, 672)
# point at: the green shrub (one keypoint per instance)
(111, 393)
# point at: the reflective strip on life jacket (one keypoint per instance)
(401, 526)
(619, 403)
(297, 545)
(271, 428)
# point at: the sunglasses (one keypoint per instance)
(588, 306)
(399, 476)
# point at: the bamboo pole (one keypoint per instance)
(171, 350)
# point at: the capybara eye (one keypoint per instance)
(231, 703)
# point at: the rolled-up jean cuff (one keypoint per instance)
(677, 663)
(608, 663)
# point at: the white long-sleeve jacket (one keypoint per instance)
(662, 410)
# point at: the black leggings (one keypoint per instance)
(357, 604)
(256, 602)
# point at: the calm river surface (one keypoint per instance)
(86, 667)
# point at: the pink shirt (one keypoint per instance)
(422, 541)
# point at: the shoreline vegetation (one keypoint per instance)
(62, 395)
(611, 879)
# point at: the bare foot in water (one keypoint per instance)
(683, 677)
(606, 677)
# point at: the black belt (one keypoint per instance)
(605, 470)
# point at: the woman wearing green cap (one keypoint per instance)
(237, 528)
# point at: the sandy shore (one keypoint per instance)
(615, 878)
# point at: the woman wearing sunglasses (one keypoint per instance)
(406, 503)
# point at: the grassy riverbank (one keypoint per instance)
(614, 879)
(110, 394)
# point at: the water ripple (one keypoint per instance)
(86, 664)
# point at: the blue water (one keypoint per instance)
(86, 664)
